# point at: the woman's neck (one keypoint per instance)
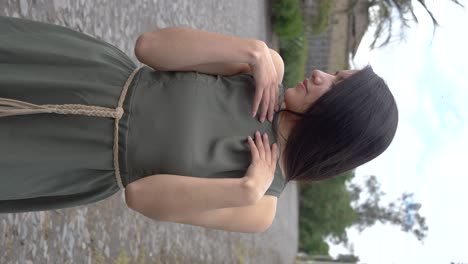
(285, 125)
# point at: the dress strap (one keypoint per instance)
(10, 107)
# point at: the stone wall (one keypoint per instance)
(330, 50)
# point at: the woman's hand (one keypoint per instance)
(261, 171)
(266, 84)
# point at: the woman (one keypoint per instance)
(79, 121)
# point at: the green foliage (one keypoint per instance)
(287, 18)
(321, 20)
(294, 53)
(122, 258)
(396, 213)
(325, 210)
(288, 25)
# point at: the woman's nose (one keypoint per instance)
(317, 77)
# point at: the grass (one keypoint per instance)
(288, 24)
(122, 258)
(321, 20)
(294, 53)
(287, 18)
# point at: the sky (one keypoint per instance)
(428, 76)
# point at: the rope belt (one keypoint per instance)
(10, 107)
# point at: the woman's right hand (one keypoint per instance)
(266, 84)
(261, 171)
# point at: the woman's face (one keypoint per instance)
(305, 93)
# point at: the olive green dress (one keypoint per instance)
(182, 123)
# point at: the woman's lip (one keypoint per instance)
(305, 85)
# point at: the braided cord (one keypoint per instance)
(116, 128)
(10, 107)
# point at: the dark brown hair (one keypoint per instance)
(349, 125)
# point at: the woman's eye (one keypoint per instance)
(338, 78)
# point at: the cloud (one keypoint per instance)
(406, 95)
(450, 53)
(428, 155)
(452, 120)
(430, 114)
(442, 192)
(443, 195)
(396, 168)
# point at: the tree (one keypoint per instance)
(328, 207)
(384, 19)
(402, 212)
(325, 210)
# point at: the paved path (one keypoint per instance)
(108, 232)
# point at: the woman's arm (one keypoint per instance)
(180, 48)
(186, 49)
(186, 200)
(163, 195)
(246, 219)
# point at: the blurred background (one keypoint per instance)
(407, 205)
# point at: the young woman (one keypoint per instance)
(79, 122)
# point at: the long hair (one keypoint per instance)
(349, 125)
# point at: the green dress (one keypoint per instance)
(183, 123)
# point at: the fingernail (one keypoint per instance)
(253, 114)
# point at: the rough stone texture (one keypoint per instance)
(330, 50)
(319, 45)
(108, 232)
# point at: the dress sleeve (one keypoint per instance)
(278, 184)
(277, 187)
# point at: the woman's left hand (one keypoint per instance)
(266, 84)
(261, 172)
